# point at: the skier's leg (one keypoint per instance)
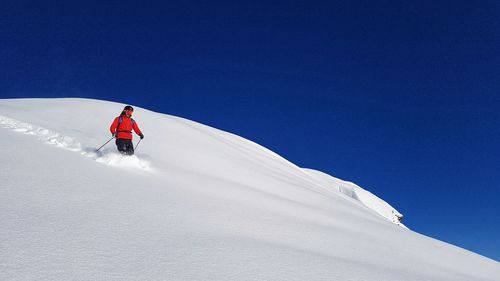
(121, 145)
(130, 147)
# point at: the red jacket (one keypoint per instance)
(124, 130)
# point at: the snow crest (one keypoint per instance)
(359, 194)
(107, 157)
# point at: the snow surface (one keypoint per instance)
(195, 203)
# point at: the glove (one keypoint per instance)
(114, 135)
(142, 136)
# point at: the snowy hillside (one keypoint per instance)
(195, 203)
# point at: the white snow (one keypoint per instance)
(362, 196)
(195, 203)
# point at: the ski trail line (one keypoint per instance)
(107, 157)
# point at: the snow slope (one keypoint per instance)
(196, 203)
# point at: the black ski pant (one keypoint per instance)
(125, 146)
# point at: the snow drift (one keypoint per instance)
(195, 203)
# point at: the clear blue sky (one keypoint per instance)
(402, 98)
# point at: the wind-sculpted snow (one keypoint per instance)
(359, 194)
(106, 156)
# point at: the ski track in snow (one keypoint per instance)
(105, 156)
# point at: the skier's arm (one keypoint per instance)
(114, 126)
(137, 130)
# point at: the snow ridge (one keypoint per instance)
(359, 194)
(105, 156)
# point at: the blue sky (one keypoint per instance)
(401, 98)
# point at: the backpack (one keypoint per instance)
(120, 120)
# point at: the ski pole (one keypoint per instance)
(137, 144)
(105, 144)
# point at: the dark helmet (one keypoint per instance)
(128, 107)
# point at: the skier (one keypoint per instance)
(121, 128)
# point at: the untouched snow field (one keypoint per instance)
(195, 203)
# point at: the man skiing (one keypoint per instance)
(121, 128)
